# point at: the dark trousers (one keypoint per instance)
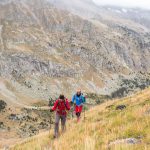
(63, 123)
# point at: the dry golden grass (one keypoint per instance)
(102, 125)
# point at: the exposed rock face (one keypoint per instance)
(27, 131)
(46, 50)
(22, 117)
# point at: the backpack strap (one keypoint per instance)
(74, 98)
(59, 102)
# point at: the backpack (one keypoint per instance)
(84, 99)
(59, 103)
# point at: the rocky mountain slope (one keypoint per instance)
(54, 46)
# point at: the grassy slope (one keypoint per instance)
(102, 125)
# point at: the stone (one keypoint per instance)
(120, 107)
(131, 141)
(1, 125)
(2, 105)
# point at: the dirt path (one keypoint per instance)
(11, 98)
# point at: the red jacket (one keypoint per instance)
(61, 106)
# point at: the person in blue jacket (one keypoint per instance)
(78, 99)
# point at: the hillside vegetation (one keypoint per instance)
(116, 125)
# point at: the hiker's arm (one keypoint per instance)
(84, 101)
(55, 106)
(73, 99)
(67, 105)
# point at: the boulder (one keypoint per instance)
(120, 107)
(2, 105)
(130, 141)
(1, 125)
(147, 112)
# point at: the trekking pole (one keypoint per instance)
(50, 119)
(84, 111)
(72, 111)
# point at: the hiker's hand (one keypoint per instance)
(51, 110)
(72, 103)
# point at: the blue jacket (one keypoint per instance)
(78, 100)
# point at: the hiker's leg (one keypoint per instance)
(79, 114)
(56, 130)
(77, 110)
(80, 110)
(78, 117)
(63, 123)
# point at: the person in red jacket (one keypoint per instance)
(61, 106)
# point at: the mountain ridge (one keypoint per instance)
(44, 41)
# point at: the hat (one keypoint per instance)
(62, 97)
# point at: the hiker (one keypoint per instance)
(61, 106)
(78, 100)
